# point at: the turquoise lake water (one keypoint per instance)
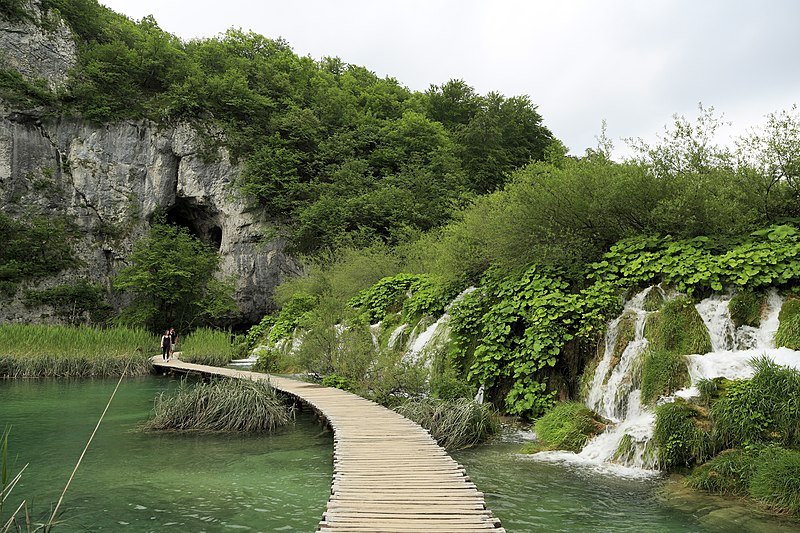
(133, 481)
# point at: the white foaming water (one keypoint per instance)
(615, 395)
(436, 331)
(374, 331)
(392, 342)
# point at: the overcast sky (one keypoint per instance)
(632, 63)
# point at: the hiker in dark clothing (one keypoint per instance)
(173, 336)
(166, 345)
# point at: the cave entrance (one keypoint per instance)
(200, 220)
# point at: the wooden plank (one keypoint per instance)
(389, 474)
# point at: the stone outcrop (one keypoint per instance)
(39, 47)
(109, 180)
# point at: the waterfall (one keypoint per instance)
(624, 448)
(732, 361)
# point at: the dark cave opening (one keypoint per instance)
(200, 220)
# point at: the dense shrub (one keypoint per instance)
(567, 426)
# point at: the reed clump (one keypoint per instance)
(454, 424)
(207, 346)
(33, 350)
(222, 405)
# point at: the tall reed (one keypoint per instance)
(235, 405)
(28, 350)
(455, 424)
(207, 346)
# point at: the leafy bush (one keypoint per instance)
(455, 424)
(788, 333)
(516, 329)
(390, 294)
(745, 308)
(74, 303)
(680, 435)
(727, 473)
(775, 481)
(567, 426)
(171, 278)
(33, 249)
(229, 405)
(663, 373)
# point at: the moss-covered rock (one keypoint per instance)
(678, 328)
(788, 333)
(663, 373)
(626, 332)
(727, 473)
(654, 299)
(745, 308)
(567, 426)
(681, 435)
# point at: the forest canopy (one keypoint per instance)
(337, 155)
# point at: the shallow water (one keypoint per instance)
(534, 496)
(132, 481)
(157, 482)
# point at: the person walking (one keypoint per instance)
(173, 336)
(166, 346)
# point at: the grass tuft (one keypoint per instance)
(567, 426)
(776, 480)
(678, 328)
(225, 405)
(663, 373)
(727, 473)
(762, 410)
(455, 424)
(680, 435)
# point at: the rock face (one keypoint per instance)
(39, 47)
(110, 180)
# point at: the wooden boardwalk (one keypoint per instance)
(389, 475)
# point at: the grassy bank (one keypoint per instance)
(28, 350)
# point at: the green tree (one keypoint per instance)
(171, 279)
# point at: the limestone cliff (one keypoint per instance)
(109, 179)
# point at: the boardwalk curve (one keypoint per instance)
(389, 475)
